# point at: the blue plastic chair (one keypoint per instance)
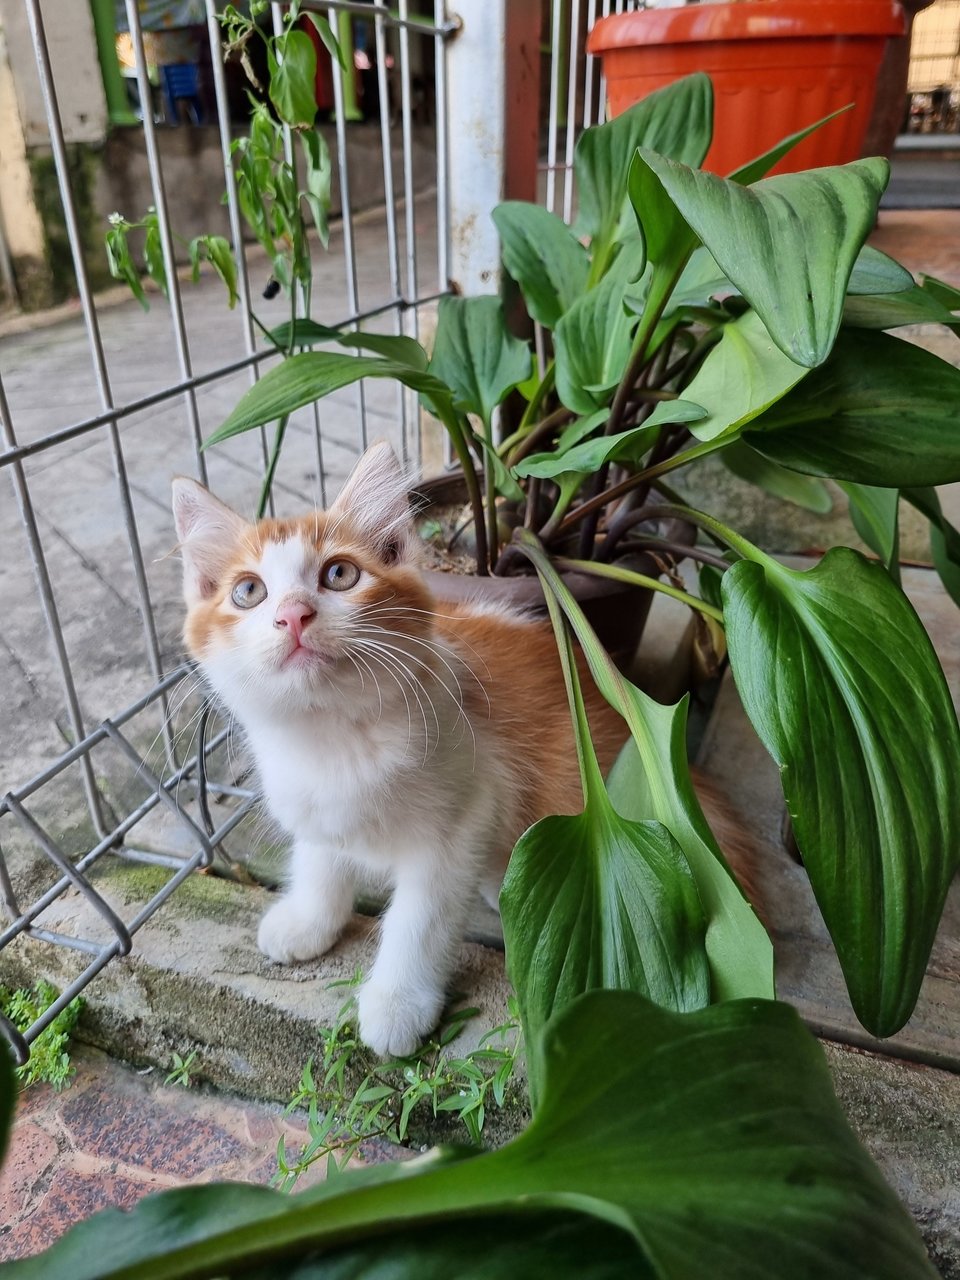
(180, 82)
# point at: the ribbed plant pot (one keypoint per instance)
(776, 66)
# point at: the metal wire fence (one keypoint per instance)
(96, 417)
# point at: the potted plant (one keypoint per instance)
(684, 1114)
(772, 63)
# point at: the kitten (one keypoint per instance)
(394, 739)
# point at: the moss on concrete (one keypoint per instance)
(57, 281)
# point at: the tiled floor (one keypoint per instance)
(115, 1135)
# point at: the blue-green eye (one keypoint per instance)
(339, 575)
(248, 593)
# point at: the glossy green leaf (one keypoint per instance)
(739, 951)
(791, 486)
(592, 340)
(588, 455)
(330, 41)
(667, 237)
(292, 61)
(393, 346)
(875, 514)
(742, 376)
(881, 411)
(676, 121)
(944, 539)
(121, 265)
(562, 1243)
(945, 294)
(788, 243)
(756, 169)
(844, 689)
(302, 379)
(475, 354)
(318, 173)
(876, 272)
(598, 901)
(545, 258)
(710, 1135)
(216, 250)
(890, 310)
(153, 255)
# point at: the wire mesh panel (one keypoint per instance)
(99, 750)
(577, 94)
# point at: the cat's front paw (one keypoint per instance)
(395, 1021)
(288, 933)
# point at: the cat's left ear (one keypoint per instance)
(375, 501)
(208, 532)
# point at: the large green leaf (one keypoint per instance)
(301, 379)
(318, 173)
(791, 486)
(739, 951)
(891, 310)
(743, 375)
(394, 346)
(788, 243)
(592, 340)
(705, 1136)
(545, 258)
(944, 539)
(881, 411)
(676, 121)
(876, 272)
(476, 356)
(946, 294)
(843, 687)
(292, 61)
(598, 901)
(875, 514)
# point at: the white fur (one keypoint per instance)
(371, 766)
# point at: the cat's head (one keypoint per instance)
(289, 615)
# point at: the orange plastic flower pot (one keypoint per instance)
(776, 66)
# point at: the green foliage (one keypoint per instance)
(681, 1137)
(49, 1056)
(181, 1069)
(390, 1097)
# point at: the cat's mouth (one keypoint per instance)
(305, 657)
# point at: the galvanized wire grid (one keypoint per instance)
(137, 778)
(128, 786)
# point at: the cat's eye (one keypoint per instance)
(248, 593)
(339, 575)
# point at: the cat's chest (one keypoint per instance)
(328, 778)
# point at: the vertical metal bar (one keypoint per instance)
(166, 239)
(346, 214)
(412, 318)
(51, 615)
(443, 143)
(94, 340)
(571, 111)
(589, 60)
(233, 205)
(557, 22)
(390, 202)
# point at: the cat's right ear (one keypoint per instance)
(207, 531)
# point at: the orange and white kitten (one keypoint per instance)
(393, 739)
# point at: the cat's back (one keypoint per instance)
(515, 659)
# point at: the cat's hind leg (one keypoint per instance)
(313, 910)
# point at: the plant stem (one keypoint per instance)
(640, 580)
(539, 432)
(448, 417)
(679, 550)
(544, 387)
(642, 477)
(267, 485)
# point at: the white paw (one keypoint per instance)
(288, 933)
(394, 1022)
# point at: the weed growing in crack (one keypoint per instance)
(49, 1057)
(388, 1096)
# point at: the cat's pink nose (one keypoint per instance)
(293, 617)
